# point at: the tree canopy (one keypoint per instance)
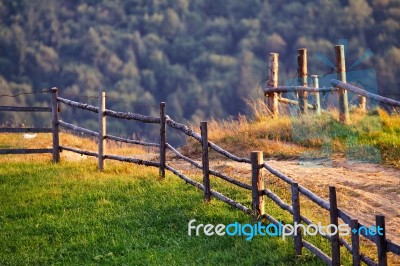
(202, 57)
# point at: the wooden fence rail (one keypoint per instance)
(131, 160)
(77, 129)
(281, 89)
(24, 109)
(364, 93)
(83, 106)
(132, 141)
(212, 172)
(294, 102)
(26, 130)
(79, 151)
(257, 209)
(25, 151)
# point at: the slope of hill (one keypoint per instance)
(280, 140)
(202, 57)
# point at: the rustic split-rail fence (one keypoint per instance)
(259, 192)
(257, 186)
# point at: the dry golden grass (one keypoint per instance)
(374, 135)
(273, 136)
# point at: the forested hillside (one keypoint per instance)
(202, 57)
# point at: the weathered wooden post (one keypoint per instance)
(205, 161)
(102, 130)
(257, 160)
(362, 103)
(163, 140)
(333, 210)
(341, 75)
(272, 98)
(381, 240)
(54, 123)
(302, 79)
(315, 83)
(355, 242)
(298, 244)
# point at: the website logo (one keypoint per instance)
(249, 231)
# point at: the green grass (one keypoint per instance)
(71, 214)
(372, 137)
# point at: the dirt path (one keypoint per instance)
(364, 190)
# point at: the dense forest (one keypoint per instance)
(203, 57)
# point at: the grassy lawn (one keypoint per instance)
(71, 214)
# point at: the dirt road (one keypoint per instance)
(364, 190)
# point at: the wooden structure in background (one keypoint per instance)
(273, 91)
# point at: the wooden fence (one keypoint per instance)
(258, 191)
(26, 130)
(273, 92)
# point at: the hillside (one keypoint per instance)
(72, 214)
(72, 189)
(202, 57)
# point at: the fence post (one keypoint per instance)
(302, 79)
(54, 123)
(163, 140)
(257, 183)
(205, 161)
(333, 210)
(381, 240)
(272, 100)
(363, 103)
(102, 130)
(355, 242)
(341, 75)
(316, 94)
(298, 244)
